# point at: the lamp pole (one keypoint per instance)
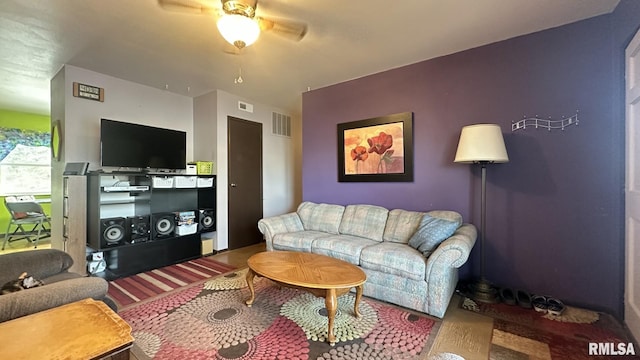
(483, 291)
(483, 216)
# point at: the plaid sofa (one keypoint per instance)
(377, 240)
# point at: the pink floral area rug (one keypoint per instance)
(520, 333)
(211, 321)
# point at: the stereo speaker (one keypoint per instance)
(162, 225)
(206, 220)
(139, 228)
(112, 231)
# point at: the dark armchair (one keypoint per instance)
(60, 286)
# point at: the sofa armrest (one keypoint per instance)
(442, 268)
(40, 264)
(453, 252)
(285, 223)
(29, 301)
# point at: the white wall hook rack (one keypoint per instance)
(548, 124)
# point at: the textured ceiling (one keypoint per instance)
(137, 41)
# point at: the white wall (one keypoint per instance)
(80, 118)
(57, 89)
(280, 169)
(205, 127)
(123, 101)
(203, 118)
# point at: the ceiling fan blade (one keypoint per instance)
(290, 29)
(188, 6)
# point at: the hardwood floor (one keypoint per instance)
(22, 245)
(238, 257)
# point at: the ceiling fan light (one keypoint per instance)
(238, 30)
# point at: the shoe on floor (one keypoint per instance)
(540, 303)
(508, 296)
(524, 299)
(556, 307)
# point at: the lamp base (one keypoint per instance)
(484, 291)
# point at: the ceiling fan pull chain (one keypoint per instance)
(239, 79)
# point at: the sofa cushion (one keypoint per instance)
(297, 241)
(394, 258)
(343, 247)
(431, 232)
(401, 225)
(367, 221)
(320, 217)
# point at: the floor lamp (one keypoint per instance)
(482, 144)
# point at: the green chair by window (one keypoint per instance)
(28, 218)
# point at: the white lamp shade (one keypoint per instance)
(481, 143)
(238, 28)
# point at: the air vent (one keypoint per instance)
(245, 106)
(281, 124)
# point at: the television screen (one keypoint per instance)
(132, 145)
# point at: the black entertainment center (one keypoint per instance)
(153, 216)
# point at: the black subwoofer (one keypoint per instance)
(162, 225)
(139, 228)
(112, 231)
(206, 220)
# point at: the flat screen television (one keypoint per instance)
(125, 144)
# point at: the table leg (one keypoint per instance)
(331, 303)
(356, 306)
(123, 355)
(250, 276)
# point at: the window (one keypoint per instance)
(25, 162)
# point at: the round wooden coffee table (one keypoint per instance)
(322, 276)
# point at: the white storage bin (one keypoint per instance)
(185, 181)
(192, 169)
(162, 182)
(205, 182)
(186, 229)
(186, 223)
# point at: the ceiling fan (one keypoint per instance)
(238, 23)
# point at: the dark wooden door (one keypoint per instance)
(245, 182)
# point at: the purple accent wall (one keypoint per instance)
(555, 212)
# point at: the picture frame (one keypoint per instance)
(378, 149)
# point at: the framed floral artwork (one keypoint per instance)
(376, 149)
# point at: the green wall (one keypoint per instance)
(21, 120)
